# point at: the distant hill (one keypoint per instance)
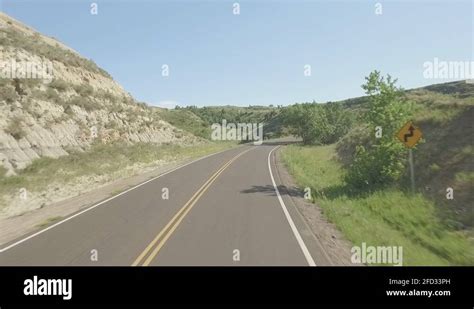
(185, 120)
(198, 121)
(459, 89)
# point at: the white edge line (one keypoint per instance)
(107, 200)
(300, 241)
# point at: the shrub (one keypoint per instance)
(84, 89)
(107, 95)
(30, 82)
(58, 84)
(112, 125)
(375, 167)
(84, 103)
(51, 95)
(15, 128)
(8, 93)
(381, 163)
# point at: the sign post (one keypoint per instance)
(410, 135)
(412, 169)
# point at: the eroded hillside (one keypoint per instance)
(53, 101)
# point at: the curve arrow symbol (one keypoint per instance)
(406, 136)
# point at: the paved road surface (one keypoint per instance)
(221, 210)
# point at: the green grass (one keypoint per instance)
(439, 108)
(467, 177)
(384, 218)
(99, 160)
(187, 121)
(437, 115)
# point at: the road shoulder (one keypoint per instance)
(336, 248)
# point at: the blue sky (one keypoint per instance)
(257, 57)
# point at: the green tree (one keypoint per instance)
(317, 123)
(383, 161)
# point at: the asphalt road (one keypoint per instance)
(224, 209)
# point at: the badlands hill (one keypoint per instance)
(53, 101)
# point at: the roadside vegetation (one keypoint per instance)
(115, 161)
(389, 217)
(361, 181)
(317, 123)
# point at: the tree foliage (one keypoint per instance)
(382, 162)
(317, 123)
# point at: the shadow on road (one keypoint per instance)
(269, 189)
(276, 143)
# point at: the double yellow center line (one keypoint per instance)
(150, 252)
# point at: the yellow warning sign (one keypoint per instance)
(409, 135)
